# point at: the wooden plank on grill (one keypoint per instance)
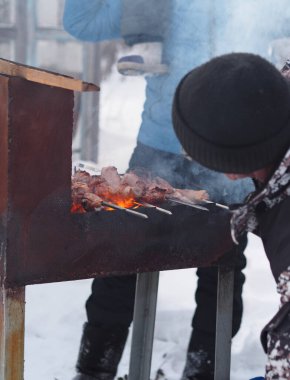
(45, 77)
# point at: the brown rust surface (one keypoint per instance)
(59, 246)
(46, 243)
(3, 172)
(3, 142)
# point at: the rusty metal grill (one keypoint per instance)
(42, 241)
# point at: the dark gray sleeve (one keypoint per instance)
(275, 339)
(275, 233)
(144, 21)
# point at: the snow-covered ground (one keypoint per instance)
(55, 312)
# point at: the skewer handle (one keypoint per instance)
(129, 211)
(157, 208)
(163, 210)
(217, 204)
(189, 204)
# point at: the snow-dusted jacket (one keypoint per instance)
(186, 44)
(267, 213)
(274, 229)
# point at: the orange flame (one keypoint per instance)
(122, 201)
(76, 208)
(117, 199)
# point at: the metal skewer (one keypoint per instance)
(128, 210)
(157, 208)
(216, 204)
(188, 204)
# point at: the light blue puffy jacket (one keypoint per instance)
(186, 45)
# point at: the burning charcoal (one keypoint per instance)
(127, 210)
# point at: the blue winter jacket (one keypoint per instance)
(185, 46)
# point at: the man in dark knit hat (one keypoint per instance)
(232, 115)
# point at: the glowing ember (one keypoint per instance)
(76, 208)
(120, 201)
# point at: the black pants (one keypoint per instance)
(112, 299)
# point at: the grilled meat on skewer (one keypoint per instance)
(82, 176)
(127, 189)
(91, 201)
(190, 195)
(112, 178)
(135, 183)
(79, 189)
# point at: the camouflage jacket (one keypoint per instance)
(274, 192)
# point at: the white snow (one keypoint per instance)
(55, 312)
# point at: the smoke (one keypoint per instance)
(253, 26)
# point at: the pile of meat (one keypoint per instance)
(127, 190)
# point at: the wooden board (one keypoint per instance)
(48, 78)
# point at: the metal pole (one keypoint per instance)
(143, 325)
(224, 323)
(21, 40)
(90, 105)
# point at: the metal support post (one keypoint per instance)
(90, 106)
(12, 307)
(224, 323)
(143, 325)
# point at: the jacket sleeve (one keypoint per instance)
(93, 20)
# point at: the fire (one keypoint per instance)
(75, 208)
(126, 202)
(116, 199)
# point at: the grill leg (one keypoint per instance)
(12, 308)
(224, 323)
(143, 325)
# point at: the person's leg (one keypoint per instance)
(110, 313)
(201, 349)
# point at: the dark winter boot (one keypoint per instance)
(200, 357)
(100, 352)
(81, 376)
(199, 366)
